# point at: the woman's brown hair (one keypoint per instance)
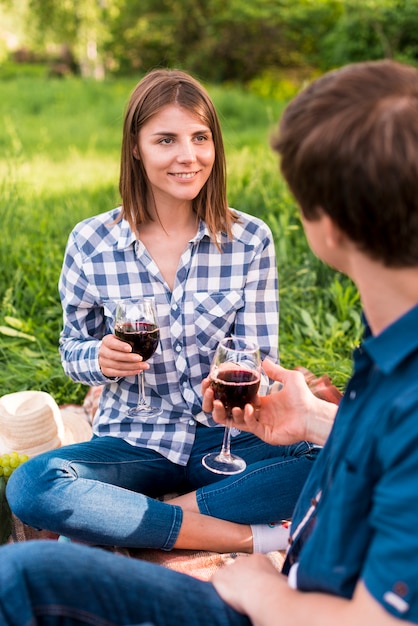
(159, 88)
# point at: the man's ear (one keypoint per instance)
(333, 235)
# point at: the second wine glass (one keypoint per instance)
(136, 323)
(235, 378)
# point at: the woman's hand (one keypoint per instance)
(117, 360)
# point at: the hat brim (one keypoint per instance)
(76, 425)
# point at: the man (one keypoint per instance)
(349, 152)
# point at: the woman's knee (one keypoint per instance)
(27, 485)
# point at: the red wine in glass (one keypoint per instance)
(142, 336)
(235, 387)
(235, 378)
(136, 323)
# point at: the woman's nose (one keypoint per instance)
(186, 152)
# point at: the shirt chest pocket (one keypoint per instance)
(214, 316)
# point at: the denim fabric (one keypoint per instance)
(102, 492)
(265, 492)
(59, 584)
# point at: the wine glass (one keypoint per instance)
(235, 378)
(136, 323)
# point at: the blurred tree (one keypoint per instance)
(372, 29)
(220, 41)
(159, 32)
(80, 25)
(224, 41)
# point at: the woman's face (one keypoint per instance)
(177, 152)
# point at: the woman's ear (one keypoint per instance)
(135, 149)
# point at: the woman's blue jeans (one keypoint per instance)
(49, 583)
(103, 491)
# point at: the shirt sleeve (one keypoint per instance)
(390, 569)
(83, 321)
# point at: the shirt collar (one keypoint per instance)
(125, 237)
(202, 232)
(395, 343)
(122, 233)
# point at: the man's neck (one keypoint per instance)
(386, 293)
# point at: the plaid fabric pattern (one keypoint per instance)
(215, 294)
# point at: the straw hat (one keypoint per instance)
(31, 422)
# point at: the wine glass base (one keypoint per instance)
(144, 411)
(224, 464)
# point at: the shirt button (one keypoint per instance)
(353, 394)
(174, 307)
(178, 348)
(401, 589)
(191, 422)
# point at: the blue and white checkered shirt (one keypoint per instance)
(215, 294)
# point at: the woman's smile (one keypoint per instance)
(184, 175)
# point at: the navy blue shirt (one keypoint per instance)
(357, 517)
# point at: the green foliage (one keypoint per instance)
(219, 41)
(9, 70)
(59, 163)
(276, 84)
(371, 30)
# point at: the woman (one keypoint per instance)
(212, 272)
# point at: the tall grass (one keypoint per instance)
(59, 163)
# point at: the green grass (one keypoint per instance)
(59, 163)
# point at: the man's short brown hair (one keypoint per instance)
(349, 147)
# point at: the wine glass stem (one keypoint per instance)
(226, 444)
(141, 401)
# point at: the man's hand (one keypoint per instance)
(253, 587)
(117, 360)
(284, 417)
(246, 583)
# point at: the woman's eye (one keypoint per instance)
(166, 140)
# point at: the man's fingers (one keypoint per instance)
(274, 371)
